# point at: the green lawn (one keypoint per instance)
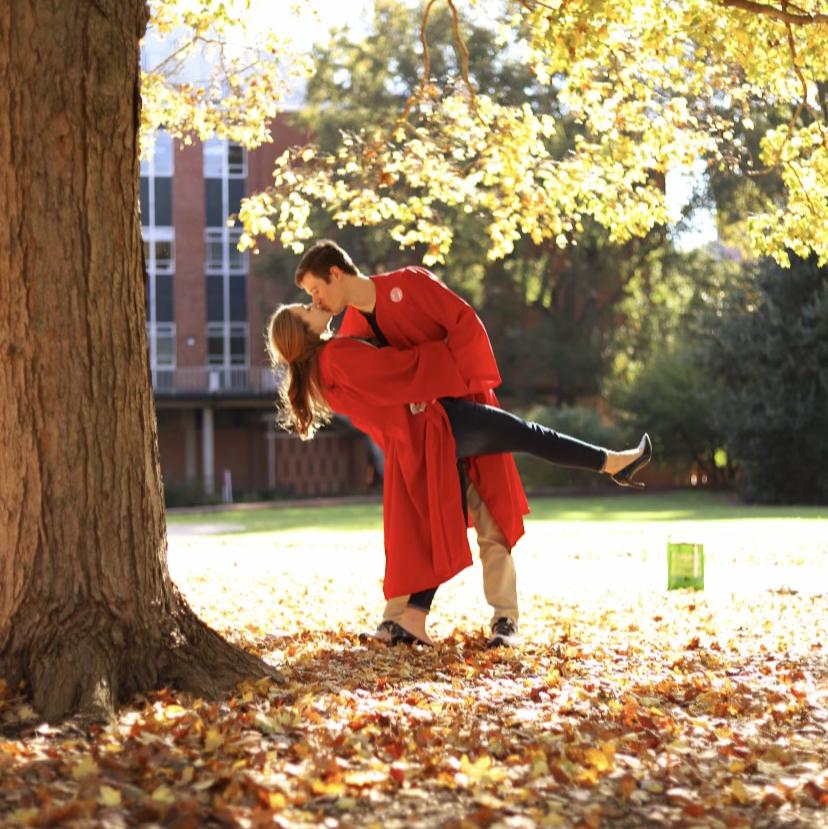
(686, 506)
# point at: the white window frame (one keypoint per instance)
(159, 164)
(217, 165)
(229, 375)
(151, 235)
(224, 236)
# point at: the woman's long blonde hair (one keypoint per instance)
(292, 344)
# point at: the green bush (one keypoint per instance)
(769, 355)
(578, 422)
(672, 397)
(188, 495)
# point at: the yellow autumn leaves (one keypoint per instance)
(651, 87)
(212, 67)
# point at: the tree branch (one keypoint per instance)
(798, 70)
(793, 169)
(803, 104)
(417, 96)
(464, 52)
(802, 19)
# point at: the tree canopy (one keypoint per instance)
(652, 87)
(220, 71)
(551, 313)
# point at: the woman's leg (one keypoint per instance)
(485, 430)
(413, 618)
(422, 600)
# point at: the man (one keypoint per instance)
(405, 308)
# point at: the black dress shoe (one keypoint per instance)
(400, 636)
(383, 633)
(624, 477)
(390, 633)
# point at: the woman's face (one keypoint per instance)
(315, 319)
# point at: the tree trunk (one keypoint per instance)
(88, 613)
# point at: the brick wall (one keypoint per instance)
(330, 464)
(266, 289)
(190, 286)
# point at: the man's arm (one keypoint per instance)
(466, 336)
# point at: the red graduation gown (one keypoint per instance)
(424, 510)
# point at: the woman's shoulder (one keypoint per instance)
(344, 345)
(341, 348)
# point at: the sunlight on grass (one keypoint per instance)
(595, 551)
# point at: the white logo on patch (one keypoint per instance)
(396, 295)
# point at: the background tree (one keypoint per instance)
(88, 613)
(652, 89)
(552, 313)
(768, 351)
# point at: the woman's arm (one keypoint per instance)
(392, 376)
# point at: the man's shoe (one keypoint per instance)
(504, 634)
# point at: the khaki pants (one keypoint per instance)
(499, 579)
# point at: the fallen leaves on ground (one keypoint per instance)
(622, 708)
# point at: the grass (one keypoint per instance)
(682, 507)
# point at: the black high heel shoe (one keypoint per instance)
(624, 476)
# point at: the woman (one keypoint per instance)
(405, 400)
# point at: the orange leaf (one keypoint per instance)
(626, 786)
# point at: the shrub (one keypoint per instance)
(673, 398)
(188, 495)
(770, 357)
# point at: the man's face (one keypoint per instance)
(329, 296)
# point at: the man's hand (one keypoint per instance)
(416, 408)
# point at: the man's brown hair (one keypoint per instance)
(319, 259)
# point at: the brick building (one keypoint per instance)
(206, 317)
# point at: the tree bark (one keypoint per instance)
(88, 613)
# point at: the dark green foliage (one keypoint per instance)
(188, 495)
(582, 423)
(770, 358)
(673, 399)
(665, 388)
(745, 370)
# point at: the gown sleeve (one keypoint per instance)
(393, 376)
(354, 324)
(466, 336)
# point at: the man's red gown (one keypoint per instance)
(447, 354)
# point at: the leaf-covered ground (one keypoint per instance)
(627, 705)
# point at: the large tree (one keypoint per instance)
(88, 613)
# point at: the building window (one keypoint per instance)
(238, 299)
(227, 344)
(164, 334)
(226, 269)
(159, 255)
(162, 197)
(156, 184)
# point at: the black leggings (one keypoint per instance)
(485, 430)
